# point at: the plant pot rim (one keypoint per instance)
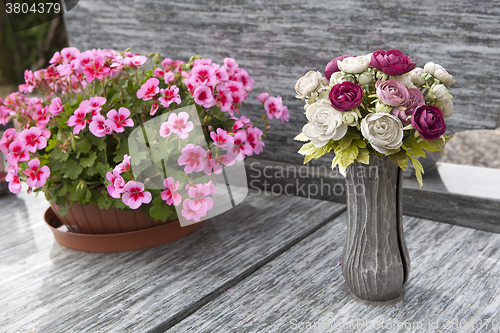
(117, 242)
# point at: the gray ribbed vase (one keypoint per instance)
(375, 261)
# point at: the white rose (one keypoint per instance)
(365, 78)
(439, 73)
(405, 79)
(441, 93)
(447, 108)
(338, 77)
(383, 131)
(325, 123)
(416, 76)
(350, 117)
(308, 83)
(354, 65)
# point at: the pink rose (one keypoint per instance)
(416, 98)
(346, 96)
(392, 92)
(392, 62)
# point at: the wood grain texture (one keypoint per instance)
(455, 280)
(278, 42)
(375, 261)
(49, 288)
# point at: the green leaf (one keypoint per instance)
(98, 142)
(345, 142)
(51, 145)
(85, 145)
(104, 202)
(419, 170)
(59, 155)
(400, 159)
(72, 169)
(307, 149)
(88, 161)
(160, 210)
(363, 156)
(102, 169)
(63, 191)
(302, 138)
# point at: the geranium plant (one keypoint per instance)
(72, 138)
(379, 104)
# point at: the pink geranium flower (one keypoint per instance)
(224, 100)
(98, 126)
(158, 72)
(274, 107)
(149, 89)
(170, 96)
(36, 176)
(33, 139)
(262, 97)
(77, 120)
(203, 96)
(192, 157)
(18, 153)
(56, 106)
(96, 69)
(95, 104)
(241, 146)
(134, 195)
(222, 139)
(253, 138)
(117, 184)
(135, 61)
(154, 108)
(14, 182)
(212, 165)
(191, 214)
(203, 75)
(117, 120)
(179, 124)
(165, 131)
(201, 202)
(169, 77)
(243, 77)
(170, 195)
(8, 137)
(124, 166)
(229, 158)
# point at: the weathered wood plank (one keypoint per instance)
(463, 195)
(280, 41)
(46, 287)
(455, 280)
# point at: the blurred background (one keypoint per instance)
(32, 49)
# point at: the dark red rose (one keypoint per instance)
(429, 122)
(346, 96)
(332, 67)
(392, 62)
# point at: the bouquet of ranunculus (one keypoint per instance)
(126, 131)
(377, 104)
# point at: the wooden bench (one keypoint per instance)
(271, 263)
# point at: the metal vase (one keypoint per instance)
(375, 261)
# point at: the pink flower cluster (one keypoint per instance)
(17, 147)
(98, 125)
(243, 140)
(225, 86)
(132, 193)
(274, 107)
(177, 124)
(199, 202)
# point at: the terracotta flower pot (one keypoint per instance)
(92, 229)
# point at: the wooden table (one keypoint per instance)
(269, 265)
